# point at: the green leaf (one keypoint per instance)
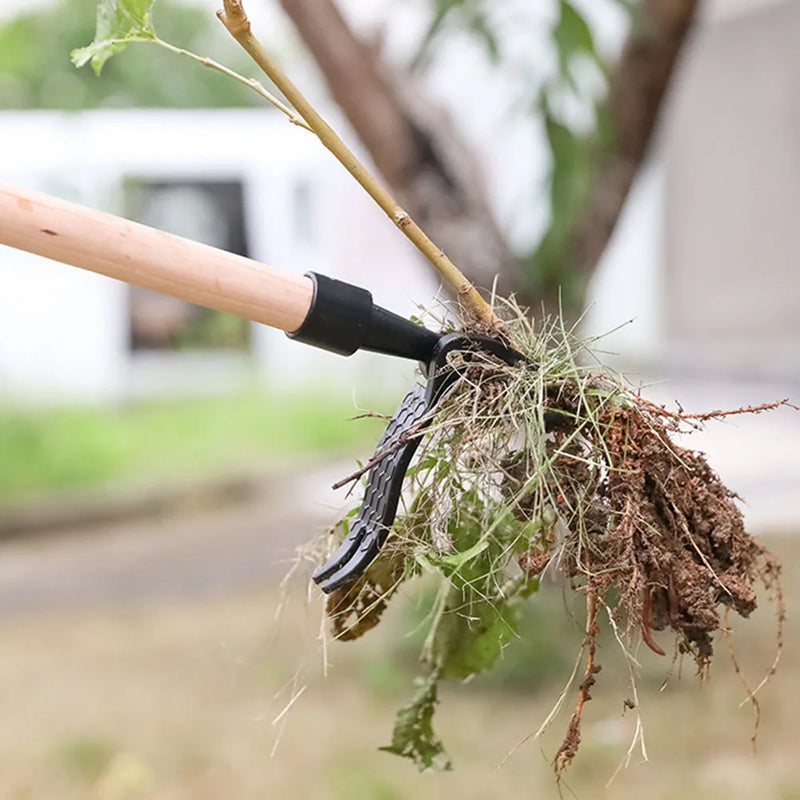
(570, 167)
(572, 37)
(458, 560)
(413, 735)
(570, 178)
(470, 15)
(470, 637)
(119, 22)
(479, 25)
(423, 465)
(442, 9)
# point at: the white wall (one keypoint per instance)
(625, 298)
(63, 332)
(733, 200)
(60, 333)
(84, 156)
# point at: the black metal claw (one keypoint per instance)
(384, 483)
(374, 519)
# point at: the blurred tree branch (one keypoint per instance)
(413, 143)
(636, 95)
(415, 146)
(235, 20)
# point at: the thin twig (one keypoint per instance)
(705, 416)
(402, 440)
(369, 415)
(236, 22)
(638, 734)
(251, 83)
(751, 695)
(566, 753)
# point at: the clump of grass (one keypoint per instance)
(557, 466)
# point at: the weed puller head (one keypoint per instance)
(313, 309)
(344, 319)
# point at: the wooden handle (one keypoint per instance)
(153, 259)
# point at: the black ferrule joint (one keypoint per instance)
(342, 318)
(338, 317)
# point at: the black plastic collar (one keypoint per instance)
(342, 318)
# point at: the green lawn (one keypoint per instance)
(42, 450)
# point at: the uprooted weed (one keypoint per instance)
(557, 467)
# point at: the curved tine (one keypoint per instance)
(361, 559)
(345, 551)
(385, 480)
(384, 483)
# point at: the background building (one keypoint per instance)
(275, 196)
(702, 262)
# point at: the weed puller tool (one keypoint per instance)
(314, 309)
(374, 519)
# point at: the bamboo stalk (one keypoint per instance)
(112, 246)
(235, 20)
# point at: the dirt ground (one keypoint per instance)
(176, 700)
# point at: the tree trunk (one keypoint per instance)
(435, 175)
(412, 142)
(635, 98)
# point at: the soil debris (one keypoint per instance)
(658, 524)
(651, 530)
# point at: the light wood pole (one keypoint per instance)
(144, 256)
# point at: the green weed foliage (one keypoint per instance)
(480, 519)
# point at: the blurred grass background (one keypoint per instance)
(84, 447)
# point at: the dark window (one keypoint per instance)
(211, 212)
